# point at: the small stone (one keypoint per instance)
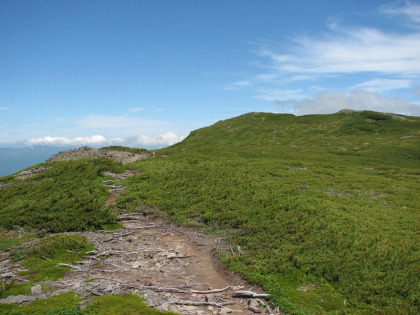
(137, 264)
(36, 290)
(18, 299)
(173, 308)
(254, 305)
(109, 288)
(171, 255)
(52, 284)
(101, 287)
(172, 300)
(96, 292)
(209, 298)
(225, 311)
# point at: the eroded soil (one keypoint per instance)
(166, 264)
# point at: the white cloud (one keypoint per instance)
(113, 122)
(145, 141)
(279, 94)
(158, 141)
(137, 109)
(3, 108)
(62, 141)
(380, 85)
(326, 103)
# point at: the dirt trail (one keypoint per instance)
(152, 257)
(172, 267)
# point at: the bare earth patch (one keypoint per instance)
(172, 267)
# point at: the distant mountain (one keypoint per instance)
(15, 159)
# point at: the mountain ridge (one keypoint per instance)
(323, 208)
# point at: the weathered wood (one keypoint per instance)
(249, 294)
(210, 291)
(220, 305)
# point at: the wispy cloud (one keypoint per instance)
(380, 85)
(349, 50)
(324, 103)
(355, 60)
(3, 108)
(406, 9)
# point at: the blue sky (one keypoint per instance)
(146, 73)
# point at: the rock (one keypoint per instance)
(171, 255)
(18, 299)
(60, 291)
(225, 311)
(165, 307)
(172, 300)
(173, 308)
(31, 172)
(101, 287)
(36, 290)
(7, 275)
(95, 292)
(78, 291)
(255, 305)
(209, 298)
(51, 284)
(137, 264)
(109, 288)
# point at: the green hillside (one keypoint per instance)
(320, 210)
(323, 207)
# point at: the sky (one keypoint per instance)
(146, 73)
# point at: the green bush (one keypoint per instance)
(68, 197)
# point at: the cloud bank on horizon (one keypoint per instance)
(143, 141)
(149, 74)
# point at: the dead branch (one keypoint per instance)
(117, 235)
(71, 266)
(249, 294)
(181, 256)
(127, 218)
(142, 227)
(202, 303)
(210, 291)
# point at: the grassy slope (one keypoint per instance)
(68, 197)
(323, 206)
(325, 202)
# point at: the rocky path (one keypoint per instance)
(172, 267)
